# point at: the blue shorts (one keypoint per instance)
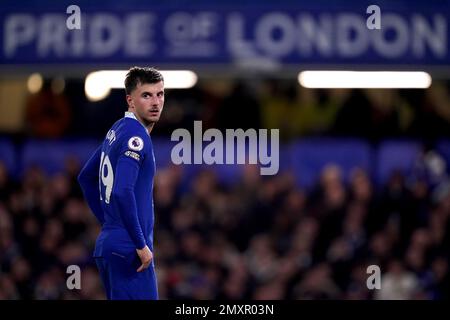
(123, 282)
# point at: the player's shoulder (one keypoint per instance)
(132, 127)
(135, 135)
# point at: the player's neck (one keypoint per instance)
(148, 126)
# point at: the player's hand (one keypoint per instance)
(146, 257)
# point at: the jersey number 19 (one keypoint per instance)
(106, 177)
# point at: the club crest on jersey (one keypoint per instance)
(136, 143)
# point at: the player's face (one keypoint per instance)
(147, 101)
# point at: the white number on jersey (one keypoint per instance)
(106, 176)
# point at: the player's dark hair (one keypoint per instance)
(141, 75)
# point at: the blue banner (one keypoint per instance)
(262, 35)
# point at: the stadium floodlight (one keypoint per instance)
(96, 87)
(34, 83)
(58, 84)
(98, 84)
(364, 79)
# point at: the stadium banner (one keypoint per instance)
(269, 35)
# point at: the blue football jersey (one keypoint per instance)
(127, 169)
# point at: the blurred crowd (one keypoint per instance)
(258, 238)
(370, 114)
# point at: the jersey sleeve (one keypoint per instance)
(132, 153)
(88, 180)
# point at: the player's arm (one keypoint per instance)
(88, 180)
(127, 170)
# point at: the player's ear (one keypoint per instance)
(129, 101)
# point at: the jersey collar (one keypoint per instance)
(131, 115)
